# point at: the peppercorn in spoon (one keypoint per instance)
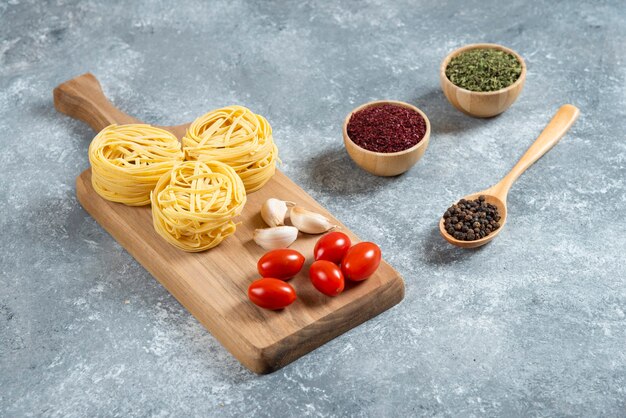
(486, 211)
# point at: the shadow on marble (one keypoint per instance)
(44, 110)
(443, 117)
(438, 252)
(334, 173)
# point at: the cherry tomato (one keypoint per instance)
(280, 264)
(361, 261)
(271, 294)
(332, 247)
(326, 277)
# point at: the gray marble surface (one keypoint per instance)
(532, 325)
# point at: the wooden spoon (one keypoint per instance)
(496, 195)
(82, 98)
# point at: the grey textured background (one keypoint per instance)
(533, 324)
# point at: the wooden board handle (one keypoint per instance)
(552, 133)
(82, 98)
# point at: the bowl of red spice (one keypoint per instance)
(386, 137)
(482, 80)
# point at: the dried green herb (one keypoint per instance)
(483, 69)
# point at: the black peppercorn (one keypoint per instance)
(469, 220)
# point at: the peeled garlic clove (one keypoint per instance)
(310, 222)
(274, 211)
(276, 237)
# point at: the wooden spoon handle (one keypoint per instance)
(82, 98)
(552, 133)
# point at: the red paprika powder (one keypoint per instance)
(386, 128)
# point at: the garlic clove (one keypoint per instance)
(310, 222)
(274, 211)
(276, 237)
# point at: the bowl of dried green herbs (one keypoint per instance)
(482, 80)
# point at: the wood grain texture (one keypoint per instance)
(481, 104)
(497, 194)
(212, 285)
(82, 98)
(386, 164)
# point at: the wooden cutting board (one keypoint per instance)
(213, 284)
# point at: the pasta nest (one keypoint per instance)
(193, 205)
(128, 160)
(235, 136)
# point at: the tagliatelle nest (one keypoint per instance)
(238, 137)
(128, 160)
(193, 206)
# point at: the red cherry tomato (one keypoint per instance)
(326, 277)
(361, 261)
(280, 264)
(332, 247)
(271, 294)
